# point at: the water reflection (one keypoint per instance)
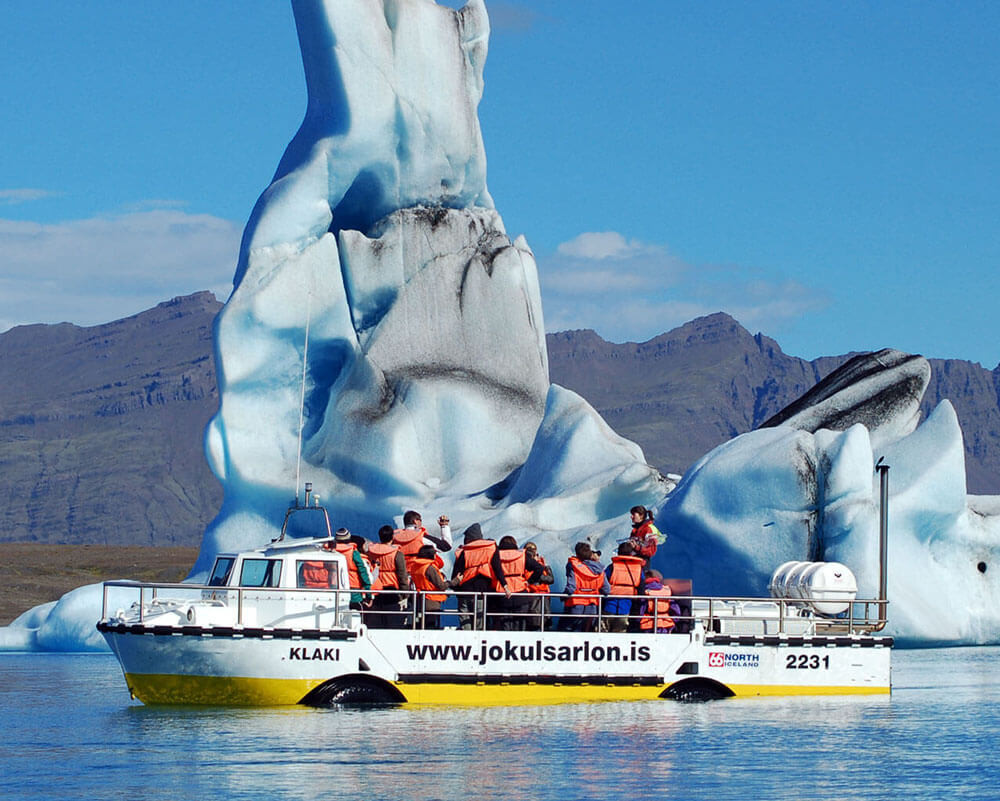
(73, 711)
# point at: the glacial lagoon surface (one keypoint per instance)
(70, 731)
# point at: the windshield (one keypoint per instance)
(260, 573)
(307, 523)
(220, 573)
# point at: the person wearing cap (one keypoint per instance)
(540, 581)
(477, 570)
(358, 568)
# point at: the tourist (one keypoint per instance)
(585, 581)
(539, 582)
(358, 568)
(645, 536)
(627, 578)
(431, 588)
(389, 609)
(477, 570)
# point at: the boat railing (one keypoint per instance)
(141, 602)
(488, 611)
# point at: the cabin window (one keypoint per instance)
(220, 573)
(260, 573)
(317, 574)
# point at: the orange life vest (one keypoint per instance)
(411, 540)
(424, 584)
(319, 574)
(384, 555)
(348, 549)
(625, 574)
(478, 554)
(512, 561)
(587, 583)
(527, 577)
(661, 605)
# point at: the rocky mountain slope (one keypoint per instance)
(686, 391)
(101, 427)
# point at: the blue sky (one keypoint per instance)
(827, 173)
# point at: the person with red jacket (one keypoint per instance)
(645, 536)
(585, 581)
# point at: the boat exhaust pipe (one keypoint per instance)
(883, 543)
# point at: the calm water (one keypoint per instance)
(71, 732)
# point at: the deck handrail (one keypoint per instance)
(485, 610)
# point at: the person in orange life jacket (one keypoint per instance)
(477, 570)
(627, 577)
(584, 579)
(413, 535)
(656, 610)
(389, 608)
(513, 609)
(432, 587)
(539, 582)
(358, 568)
(645, 536)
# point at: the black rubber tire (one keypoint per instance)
(697, 692)
(352, 693)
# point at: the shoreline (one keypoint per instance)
(36, 573)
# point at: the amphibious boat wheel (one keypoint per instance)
(353, 691)
(694, 691)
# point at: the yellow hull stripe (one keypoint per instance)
(243, 691)
(745, 690)
(512, 694)
(162, 688)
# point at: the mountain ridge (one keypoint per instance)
(101, 428)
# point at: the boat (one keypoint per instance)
(274, 626)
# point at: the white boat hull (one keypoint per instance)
(254, 667)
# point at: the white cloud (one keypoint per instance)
(14, 197)
(628, 290)
(599, 245)
(104, 268)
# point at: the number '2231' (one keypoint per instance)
(807, 661)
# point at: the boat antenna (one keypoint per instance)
(302, 396)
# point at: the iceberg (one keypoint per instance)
(376, 264)
(784, 493)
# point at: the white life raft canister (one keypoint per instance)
(827, 587)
